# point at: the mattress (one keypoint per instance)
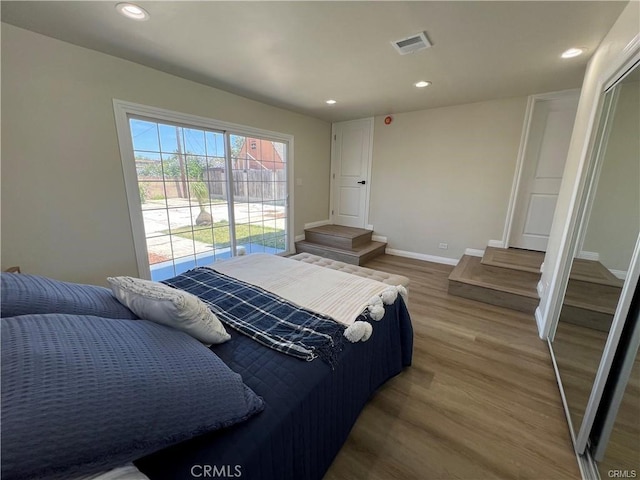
(309, 410)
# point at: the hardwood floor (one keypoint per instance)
(479, 402)
(578, 351)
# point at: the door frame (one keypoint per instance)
(122, 109)
(524, 143)
(332, 173)
(608, 112)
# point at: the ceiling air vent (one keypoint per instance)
(412, 44)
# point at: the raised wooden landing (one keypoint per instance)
(593, 272)
(515, 289)
(601, 298)
(346, 244)
(590, 304)
(509, 277)
(513, 259)
(338, 236)
(592, 295)
(356, 256)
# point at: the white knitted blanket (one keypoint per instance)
(339, 295)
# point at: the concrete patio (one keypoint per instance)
(161, 217)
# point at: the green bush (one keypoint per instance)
(201, 192)
(144, 192)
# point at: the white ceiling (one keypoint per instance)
(296, 55)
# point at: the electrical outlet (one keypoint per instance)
(443, 246)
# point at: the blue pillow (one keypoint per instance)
(82, 394)
(28, 294)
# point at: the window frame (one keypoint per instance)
(123, 110)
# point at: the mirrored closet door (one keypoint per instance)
(615, 444)
(596, 338)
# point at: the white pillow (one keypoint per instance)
(169, 306)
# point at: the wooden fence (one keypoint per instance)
(248, 185)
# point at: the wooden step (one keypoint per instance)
(355, 256)
(514, 289)
(513, 258)
(338, 236)
(593, 271)
(586, 318)
(592, 296)
(590, 304)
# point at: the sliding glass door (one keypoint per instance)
(259, 176)
(204, 194)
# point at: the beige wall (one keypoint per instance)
(558, 254)
(445, 175)
(64, 208)
(615, 217)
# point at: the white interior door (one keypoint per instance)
(351, 172)
(544, 159)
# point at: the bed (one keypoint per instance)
(309, 406)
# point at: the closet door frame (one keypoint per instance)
(613, 341)
(622, 380)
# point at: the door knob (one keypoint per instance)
(362, 182)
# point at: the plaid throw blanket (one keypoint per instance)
(263, 316)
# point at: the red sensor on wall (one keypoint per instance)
(388, 119)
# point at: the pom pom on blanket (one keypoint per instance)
(358, 331)
(368, 330)
(376, 312)
(389, 295)
(375, 300)
(402, 291)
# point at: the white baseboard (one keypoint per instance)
(474, 252)
(421, 256)
(538, 316)
(496, 243)
(621, 274)
(589, 256)
(379, 238)
(319, 223)
(369, 227)
(299, 238)
(540, 289)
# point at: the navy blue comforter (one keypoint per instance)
(309, 409)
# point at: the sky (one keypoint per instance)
(155, 138)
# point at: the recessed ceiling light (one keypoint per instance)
(572, 52)
(331, 102)
(132, 11)
(422, 84)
